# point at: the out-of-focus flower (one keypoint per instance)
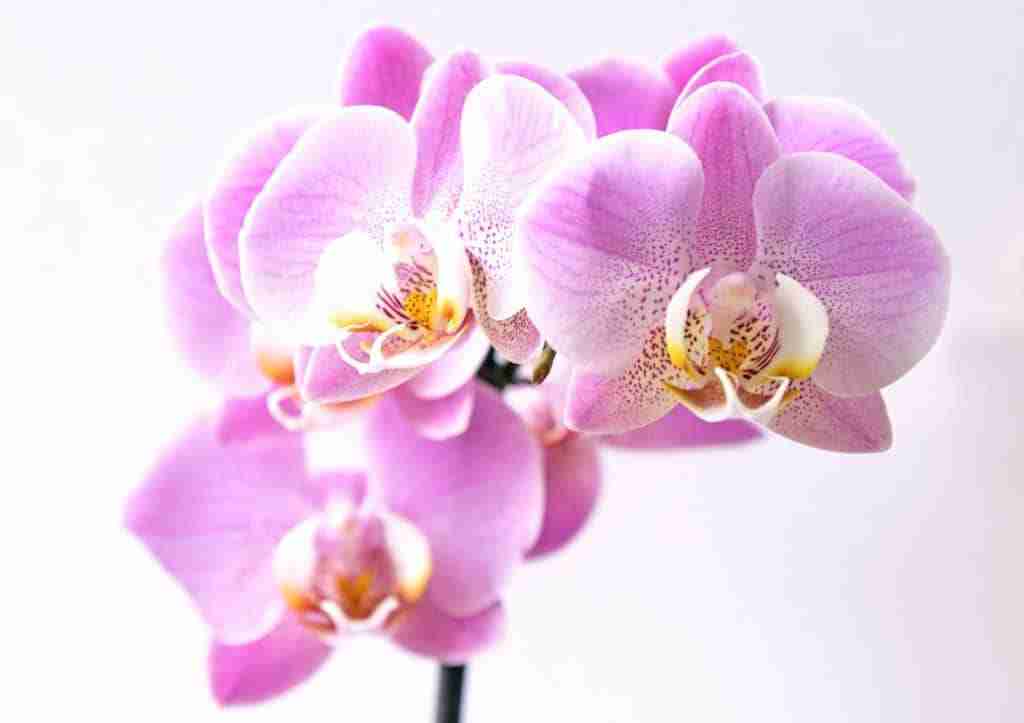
(283, 564)
(627, 94)
(367, 239)
(724, 273)
(572, 467)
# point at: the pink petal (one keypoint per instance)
(428, 631)
(835, 126)
(683, 64)
(244, 419)
(478, 498)
(323, 376)
(384, 67)
(454, 369)
(872, 260)
(681, 429)
(606, 243)
(441, 418)
(558, 85)
(212, 335)
(839, 424)
(738, 68)
(626, 94)
(514, 133)
(515, 338)
(352, 171)
(438, 117)
(266, 667)
(572, 482)
(731, 135)
(212, 514)
(632, 399)
(243, 174)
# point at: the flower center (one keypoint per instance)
(349, 570)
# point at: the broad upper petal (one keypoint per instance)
(560, 86)
(266, 667)
(838, 424)
(437, 120)
(246, 168)
(212, 335)
(607, 241)
(872, 260)
(384, 67)
(626, 94)
(212, 514)
(835, 126)
(477, 497)
(350, 172)
(514, 133)
(734, 140)
(684, 63)
(427, 630)
(572, 484)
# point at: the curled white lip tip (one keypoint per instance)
(275, 405)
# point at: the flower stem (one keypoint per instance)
(496, 374)
(449, 693)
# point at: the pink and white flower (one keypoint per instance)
(283, 564)
(707, 266)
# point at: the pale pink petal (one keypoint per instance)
(211, 334)
(514, 134)
(242, 175)
(439, 418)
(384, 67)
(839, 424)
(681, 429)
(688, 60)
(212, 514)
(478, 497)
(515, 338)
(572, 483)
(872, 260)
(731, 135)
(244, 419)
(632, 399)
(454, 369)
(835, 126)
(626, 94)
(438, 117)
(561, 86)
(266, 667)
(352, 171)
(323, 376)
(428, 631)
(738, 68)
(607, 242)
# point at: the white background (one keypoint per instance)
(773, 583)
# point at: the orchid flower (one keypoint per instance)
(283, 564)
(367, 240)
(705, 266)
(626, 94)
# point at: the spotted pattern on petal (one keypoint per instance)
(515, 338)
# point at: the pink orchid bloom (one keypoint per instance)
(572, 468)
(627, 94)
(368, 240)
(706, 266)
(284, 564)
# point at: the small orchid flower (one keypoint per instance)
(370, 239)
(732, 278)
(283, 564)
(627, 94)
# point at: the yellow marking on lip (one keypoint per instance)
(792, 368)
(356, 322)
(419, 306)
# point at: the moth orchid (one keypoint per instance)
(284, 563)
(706, 266)
(365, 238)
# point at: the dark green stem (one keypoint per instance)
(449, 693)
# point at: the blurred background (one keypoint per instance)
(770, 583)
